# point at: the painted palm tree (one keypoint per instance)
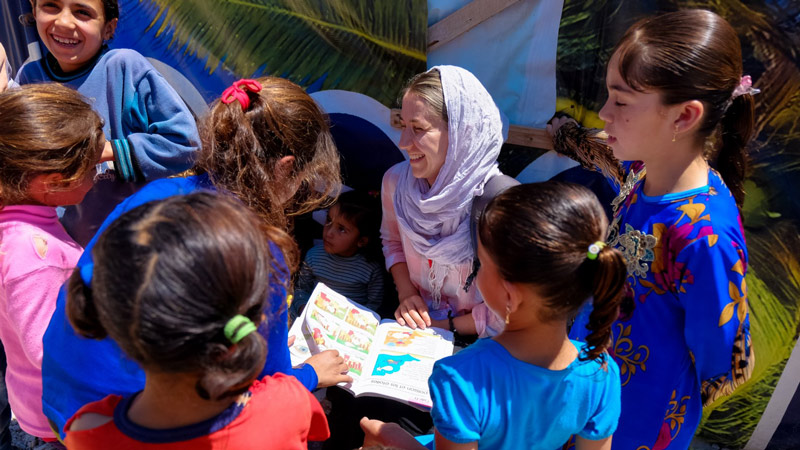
(367, 46)
(770, 39)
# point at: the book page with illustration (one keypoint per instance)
(384, 359)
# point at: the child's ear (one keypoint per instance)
(48, 180)
(42, 185)
(689, 116)
(514, 295)
(109, 28)
(284, 171)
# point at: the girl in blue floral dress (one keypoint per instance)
(679, 115)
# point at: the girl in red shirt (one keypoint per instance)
(180, 285)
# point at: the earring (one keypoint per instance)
(674, 133)
(508, 313)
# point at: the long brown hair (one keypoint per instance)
(539, 234)
(46, 128)
(241, 150)
(167, 277)
(695, 55)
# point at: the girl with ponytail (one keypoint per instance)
(265, 143)
(542, 257)
(181, 285)
(679, 115)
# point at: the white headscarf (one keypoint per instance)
(435, 219)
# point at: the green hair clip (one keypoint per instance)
(238, 327)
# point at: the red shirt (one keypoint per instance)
(276, 413)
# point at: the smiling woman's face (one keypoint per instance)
(424, 138)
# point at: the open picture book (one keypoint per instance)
(384, 358)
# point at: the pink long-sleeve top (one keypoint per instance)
(36, 257)
(398, 249)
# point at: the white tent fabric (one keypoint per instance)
(517, 56)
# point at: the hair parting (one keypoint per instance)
(168, 276)
(428, 87)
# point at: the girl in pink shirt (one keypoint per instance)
(50, 143)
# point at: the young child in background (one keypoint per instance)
(542, 257)
(350, 260)
(151, 133)
(680, 114)
(50, 142)
(198, 347)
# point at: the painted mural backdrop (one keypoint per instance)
(770, 35)
(366, 46)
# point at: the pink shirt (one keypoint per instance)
(36, 257)
(397, 249)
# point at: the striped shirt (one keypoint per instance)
(355, 277)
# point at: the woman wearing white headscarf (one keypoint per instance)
(452, 133)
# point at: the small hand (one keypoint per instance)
(413, 312)
(290, 341)
(557, 122)
(387, 434)
(330, 368)
(108, 153)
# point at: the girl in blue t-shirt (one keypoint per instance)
(542, 256)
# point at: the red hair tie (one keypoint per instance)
(237, 92)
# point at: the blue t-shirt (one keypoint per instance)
(683, 338)
(484, 394)
(77, 371)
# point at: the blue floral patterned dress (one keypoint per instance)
(682, 339)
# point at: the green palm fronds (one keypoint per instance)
(773, 280)
(368, 46)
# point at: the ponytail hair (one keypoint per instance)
(539, 234)
(737, 127)
(167, 278)
(607, 291)
(242, 145)
(81, 311)
(695, 54)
